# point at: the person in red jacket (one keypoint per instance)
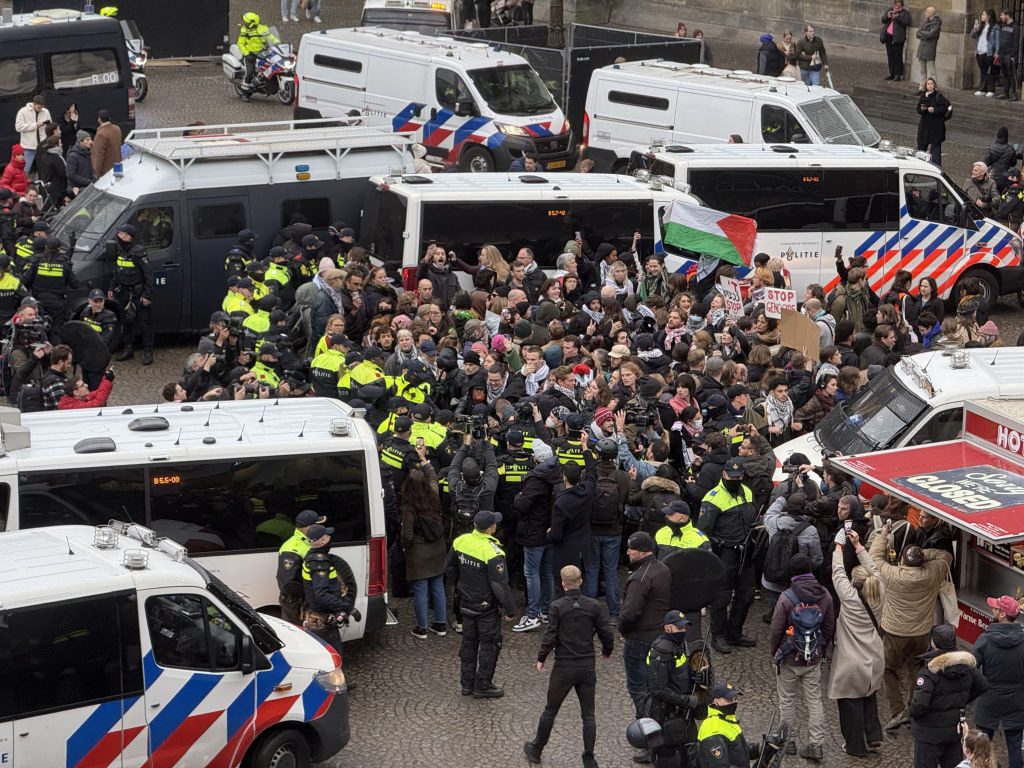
(14, 177)
(77, 394)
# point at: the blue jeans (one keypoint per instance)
(30, 155)
(604, 555)
(540, 581)
(284, 8)
(810, 76)
(634, 658)
(420, 587)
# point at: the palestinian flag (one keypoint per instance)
(704, 230)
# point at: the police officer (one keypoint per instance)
(396, 458)
(132, 286)
(11, 290)
(49, 277)
(727, 514)
(103, 321)
(721, 743)
(290, 558)
(253, 37)
(470, 485)
(256, 325)
(476, 565)
(574, 619)
(8, 223)
(1011, 203)
(413, 385)
(329, 587)
(241, 253)
(569, 449)
(237, 300)
(257, 272)
(512, 468)
(268, 368)
(279, 278)
(327, 368)
(670, 700)
(677, 532)
(30, 245)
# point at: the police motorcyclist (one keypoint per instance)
(329, 587)
(132, 286)
(290, 558)
(670, 699)
(253, 37)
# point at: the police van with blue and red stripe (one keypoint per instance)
(116, 648)
(469, 104)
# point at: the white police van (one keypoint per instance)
(889, 205)
(117, 649)
(224, 479)
(426, 16)
(461, 212)
(640, 102)
(466, 102)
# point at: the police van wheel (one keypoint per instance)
(989, 287)
(282, 749)
(476, 160)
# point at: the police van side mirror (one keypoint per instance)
(247, 664)
(109, 250)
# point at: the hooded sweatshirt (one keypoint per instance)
(1000, 656)
(809, 591)
(14, 177)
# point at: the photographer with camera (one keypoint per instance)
(471, 486)
(642, 415)
(29, 333)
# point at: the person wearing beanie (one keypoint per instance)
(946, 684)
(79, 163)
(770, 60)
(1000, 157)
(799, 647)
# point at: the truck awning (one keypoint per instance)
(960, 481)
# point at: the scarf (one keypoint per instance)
(778, 414)
(493, 394)
(679, 404)
(534, 380)
(673, 336)
(597, 317)
(649, 354)
(335, 297)
(567, 392)
(706, 265)
(406, 357)
(716, 316)
(653, 285)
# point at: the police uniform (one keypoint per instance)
(253, 37)
(720, 740)
(476, 565)
(512, 469)
(104, 323)
(49, 277)
(254, 330)
(329, 588)
(11, 291)
(8, 225)
(397, 457)
(726, 519)
(235, 303)
(278, 279)
(325, 372)
(669, 693)
(290, 557)
(133, 282)
(27, 248)
(237, 260)
(675, 536)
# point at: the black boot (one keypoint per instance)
(532, 752)
(147, 357)
(125, 354)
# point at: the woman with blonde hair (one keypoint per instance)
(858, 661)
(491, 258)
(776, 265)
(977, 750)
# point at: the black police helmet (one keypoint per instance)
(644, 733)
(607, 448)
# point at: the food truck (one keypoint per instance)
(976, 484)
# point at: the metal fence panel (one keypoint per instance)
(535, 34)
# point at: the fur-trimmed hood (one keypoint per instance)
(947, 662)
(655, 483)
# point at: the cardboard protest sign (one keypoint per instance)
(799, 332)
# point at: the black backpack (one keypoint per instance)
(30, 397)
(606, 502)
(781, 548)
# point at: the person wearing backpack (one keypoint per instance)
(803, 625)
(611, 493)
(790, 533)
(859, 659)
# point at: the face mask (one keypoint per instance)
(732, 485)
(698, 423)
(728, 709)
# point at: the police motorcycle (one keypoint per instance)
(275, 70)
(137, 53)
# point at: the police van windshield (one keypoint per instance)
(513, 91)
(839, 121)
(873, 420)
(262, 634)
(88, 217)
(427, 22)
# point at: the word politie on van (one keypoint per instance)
(969, 489)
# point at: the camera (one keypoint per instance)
(471, 425)
(30, 334)
(524, 411)
(234, 325)
(641, 415)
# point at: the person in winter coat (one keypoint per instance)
(423, 544)
(811, 56)
(814, 411)
(656, 492)
(79, 164)
(29, 123)
(77, 394)
(911, 589)
(1000, 655)
(986, 32)
(106, 145)
(534, 504)
(859, 659)
(712, 465)
(770, 60)
(52, 170)
(798, 675)
(927, 41)
(14, 177)
(68, 122)
(1000, 157)
(948, 682)
(569, 533)
(882, 342)
(1008, 52)
(934, 110)
(981, 189)
(436, 269)
(786, 514)
(895, 21)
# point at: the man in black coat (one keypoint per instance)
(1000, 655)
(948, 682)
(534, 505)
(569, 533)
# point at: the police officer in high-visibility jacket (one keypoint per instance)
(329, 587)
(253, 37)
(670, 699)
(104, 322)
(476, 565)
(290, 557)
(26, 248)
(720, 739)
(132, 286)
(327, 368)
(11, 290)
(512, 468)
(678, 533)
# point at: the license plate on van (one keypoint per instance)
(557, 164)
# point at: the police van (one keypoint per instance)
(640, 102)
(224, 479)
(189, 191)
(427, 16)
(462, 212)
(116, 648)
(468, 103)
(918, 402)
(889, 205)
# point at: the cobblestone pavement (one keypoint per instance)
(407, 711)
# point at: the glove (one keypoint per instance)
(840, 537)
(109, 374)
(692, 702)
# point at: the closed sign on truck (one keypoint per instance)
(969, 489)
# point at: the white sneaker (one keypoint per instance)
(979, 93)
(307, 13)
(284, 19)
(990, 94)
(544, 618)
(526, 624)
(295, 18)
(316, 19)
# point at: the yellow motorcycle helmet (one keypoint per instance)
(251, 20)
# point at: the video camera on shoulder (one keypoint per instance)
(471, 425)
(641, 415)
(33, 334)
